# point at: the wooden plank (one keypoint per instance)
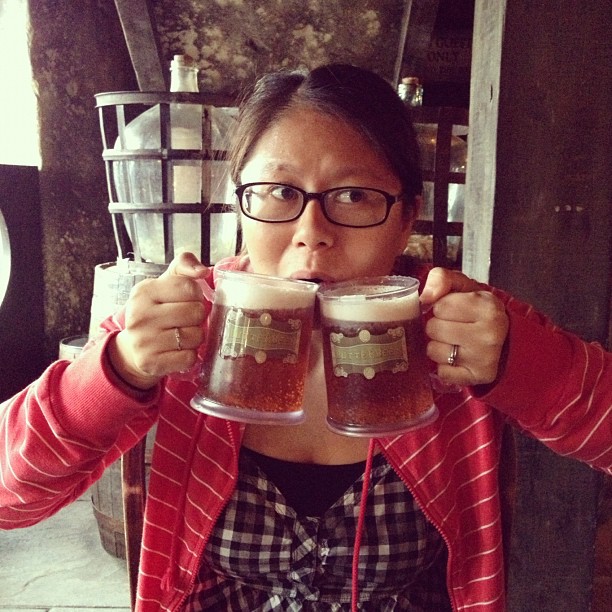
(134, 494)
(482, 148)
(137, 21)
(552, 195)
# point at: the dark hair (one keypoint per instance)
(361, 98)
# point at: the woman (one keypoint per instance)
(262, 517)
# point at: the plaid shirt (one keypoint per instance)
(265, 557)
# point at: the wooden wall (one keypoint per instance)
(538, 224)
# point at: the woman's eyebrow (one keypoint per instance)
(344, 171)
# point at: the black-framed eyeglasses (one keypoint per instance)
(346, 206)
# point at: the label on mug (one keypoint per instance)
(260, 337)
(369, 353)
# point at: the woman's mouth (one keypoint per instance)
(311, 277)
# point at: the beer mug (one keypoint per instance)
(376, 370)
(256, 356)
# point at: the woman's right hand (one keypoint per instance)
(164, 320)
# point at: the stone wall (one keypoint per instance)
(232, 41)
(77, 50)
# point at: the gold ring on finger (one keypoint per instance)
(452, 358)
(177, 337)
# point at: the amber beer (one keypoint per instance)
(256, 357)
(376, 371)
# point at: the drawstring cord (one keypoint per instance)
(360, 523)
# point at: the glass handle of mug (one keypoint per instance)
(439, 386)
(207, 290)
(191, 373)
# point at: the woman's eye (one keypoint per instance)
(351, 196)
(287, 194)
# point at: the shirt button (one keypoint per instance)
(323, 548)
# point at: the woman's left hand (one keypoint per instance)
(467, 316)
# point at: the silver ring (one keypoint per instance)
(452, 358)
(177, 337)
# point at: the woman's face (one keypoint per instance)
(315, 152)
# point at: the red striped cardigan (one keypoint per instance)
(59, 434)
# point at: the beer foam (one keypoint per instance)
(257, 293)
(369, 304)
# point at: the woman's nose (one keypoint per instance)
(313, 229)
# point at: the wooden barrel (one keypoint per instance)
(107, 503)
(106, 494)
(70, 348)
(112, 285)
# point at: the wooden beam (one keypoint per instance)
(482, 150)
(416, 30)
(138, 25)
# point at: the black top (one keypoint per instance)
(309, 488)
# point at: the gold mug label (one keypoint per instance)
(260, 336)
(367, 353)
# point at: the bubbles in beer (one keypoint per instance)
(376, 370)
